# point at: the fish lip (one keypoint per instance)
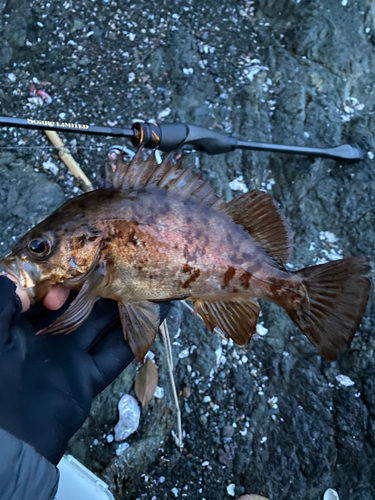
(24, 272)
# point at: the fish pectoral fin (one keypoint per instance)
(236, 317)
(258, 213)
(140, 323)
(80, 308)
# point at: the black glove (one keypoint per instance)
(48, 382)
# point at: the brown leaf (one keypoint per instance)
(146, 382)
(252, 497)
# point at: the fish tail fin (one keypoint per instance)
(334, 303)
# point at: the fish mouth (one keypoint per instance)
(26, 273)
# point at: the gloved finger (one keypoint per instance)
(40, 317)
(103, 318)
(110, 356)
(21, 292)
(10, 308)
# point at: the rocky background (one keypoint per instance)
(273, 419)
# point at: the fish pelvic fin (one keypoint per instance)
(140, 323)
(335, 301)
(80, 308)
(168, 175)
(236, 317)
(260, 216)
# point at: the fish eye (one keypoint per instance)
(39, 247)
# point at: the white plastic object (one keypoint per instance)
(77, 482)
(129, 415)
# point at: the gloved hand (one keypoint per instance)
(48, 382)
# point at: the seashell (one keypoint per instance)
(129, 415)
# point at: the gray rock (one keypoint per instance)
(85, 61)
(15, 31)
(320, 60)
(78, 25)
(6, 53)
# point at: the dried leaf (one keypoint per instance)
(146, 382)
(252, 497)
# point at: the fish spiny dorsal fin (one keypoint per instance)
(140, 171)
(115, 171)
(258, 213)
(184, 184)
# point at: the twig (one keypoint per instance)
(67, 158)
(216, 329)
(168, 350)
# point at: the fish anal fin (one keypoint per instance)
(236, 317)
(258, 213)
(140, 323)
(80, 308)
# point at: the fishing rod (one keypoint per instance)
(172, 136)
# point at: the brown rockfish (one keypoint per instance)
(158, 233)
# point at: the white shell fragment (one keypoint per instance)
(49, 166)
(328, 236)
(163, 114)
(122, 447)
(238, 184)
(262, 330)
(231, 489)
(344, 380)
(159, 392)
(129, 415)
(331, 494)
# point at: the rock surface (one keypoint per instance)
(282, 71)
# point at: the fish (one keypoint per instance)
(157, 232)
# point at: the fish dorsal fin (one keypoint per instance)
(236, 317)
(140, 323)
(258, 213)
(139, 173)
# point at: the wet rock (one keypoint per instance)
(15, 31)
(85, 61)
(322, 434)
(26, 197)
(78, 25)
(6, 53)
